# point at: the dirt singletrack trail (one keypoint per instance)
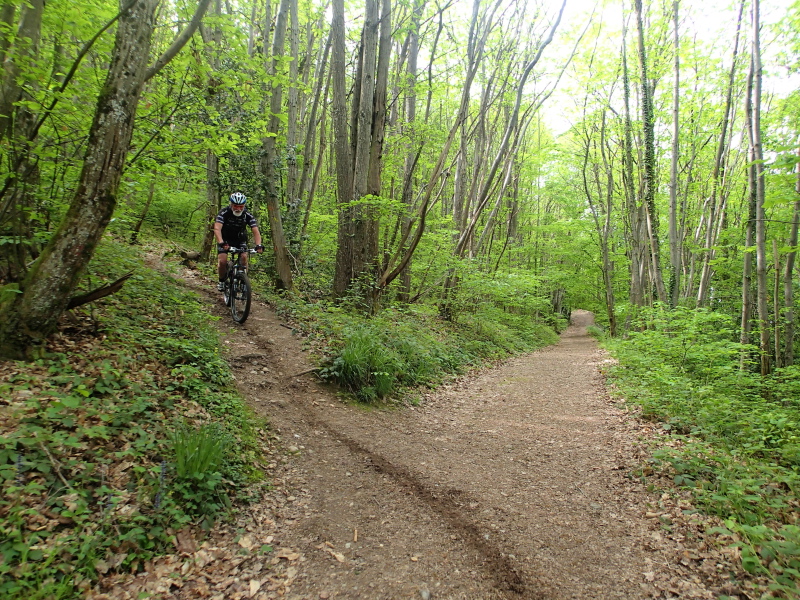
(509, 484)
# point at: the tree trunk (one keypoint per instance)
(717, 173)
(750, 229)
(635, 243)
(213, 191)
(7, 12)
(649, 167)
(776, 309)
(268, 160)
(341, 142)
(26, 47)
(364, 229)
(293, 199)
(410, 110)
(27, 318)
(606, 230)
(757, 182)
(308, 182)
(213, 195)
(357, 246)
(138, 227)
(251, 28)
(16, 125)
(674, 240)
(788, 283)
(323, 145)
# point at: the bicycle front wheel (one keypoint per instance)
(240, 297)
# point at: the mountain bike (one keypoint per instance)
(237, 290)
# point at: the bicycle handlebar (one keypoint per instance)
(240, 250)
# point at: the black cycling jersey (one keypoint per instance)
(234, 229)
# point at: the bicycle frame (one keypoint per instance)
(234, 260)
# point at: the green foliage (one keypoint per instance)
(738, 447)
(198, 451)
(86, 484)
(398, 349)
(364, 365)
(517, 292)
(172, 214)
(199, 454)
(596, 332)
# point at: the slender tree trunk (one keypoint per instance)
(754, 127)
(649, 167)
(674, 240)
(608, 264)
(378, 134)
(138, 227)
(26, 47)
(282, 262)
(251, 28)
(213, 195)
(601, 209)
(213, 192)
(490, 222)
(410, 110)
(746, 323)
(16, 126)
(788, 282)
(718, 173)
(7, 12)
(293, 199)
(341, 143)
(776, 309)
(365, 230)
(634, 213)
(750, 229)
(266, 42)
(308, 182)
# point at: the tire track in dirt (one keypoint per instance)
(263, 339)
(496, 564)
(507, 485)
(446, 503)
(490, 551)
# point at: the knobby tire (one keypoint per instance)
(226, 292)
(240, 297)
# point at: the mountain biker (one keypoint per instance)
(230, 230)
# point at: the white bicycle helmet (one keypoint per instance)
(238, 200)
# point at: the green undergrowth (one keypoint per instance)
(127, 430)
(736, 433)
(392, 354)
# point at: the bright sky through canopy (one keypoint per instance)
(709, 23)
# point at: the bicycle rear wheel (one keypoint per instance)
(240, 297)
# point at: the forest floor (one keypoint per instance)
(511, 483)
